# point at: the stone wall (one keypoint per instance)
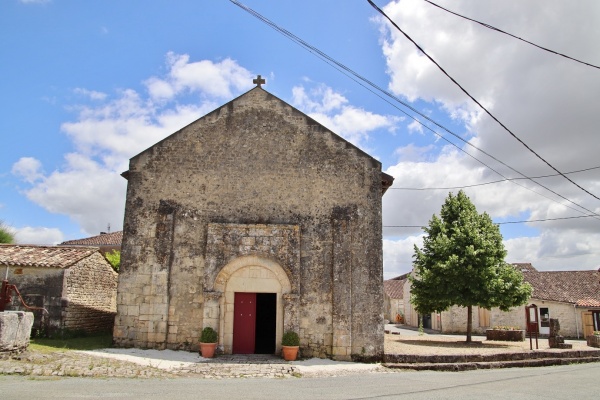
(89, 302)
(81, 297)
(40, 287)
(254, 161)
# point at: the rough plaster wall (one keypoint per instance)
(570, 319)
(454, 320)
(90, 288)
(40, 287)
(256, 161)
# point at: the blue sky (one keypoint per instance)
(89, 84)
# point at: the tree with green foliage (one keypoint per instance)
(462, 263)
(114, 258)
(6, 235)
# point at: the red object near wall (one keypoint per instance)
(244, 323)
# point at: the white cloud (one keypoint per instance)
(106, 133)
(38, 236)
(556, 250)
(548, 101)
(331, 109)
(397, 255)
(28, 168)
(87, 192)
(34, 1)
(91, 94)
(415, 126)
(219, 80)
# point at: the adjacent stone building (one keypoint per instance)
(572, 297)
(393, 299)
(76, 286)
(105, 241)
(254, 220)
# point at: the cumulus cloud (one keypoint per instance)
(38, 236)
(548, 101)
(110, 129)
(28, 168)
(219, 80)
(397, 255)
(92, 94)
(332, 110)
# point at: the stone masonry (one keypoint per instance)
(75, 285)
(253, 197)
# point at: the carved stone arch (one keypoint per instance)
(252, 261)
(253, 274)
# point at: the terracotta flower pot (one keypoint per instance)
(290, 353)
(207, 350)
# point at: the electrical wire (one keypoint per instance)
(478, 103)
(360, 79)
(492, 182)
(502, 223)
(513, 36)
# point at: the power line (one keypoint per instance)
(492, 182)
(478, 103)
(511, 35)
(352, 75)
(502, 223)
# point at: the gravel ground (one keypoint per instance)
(456, 345)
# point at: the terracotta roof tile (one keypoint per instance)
(43, 256)
(104, 239)
(575, 287)
(394, 288)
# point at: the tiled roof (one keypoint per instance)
(42, 256)
(394, 288)
(575, 287)
(104, 239)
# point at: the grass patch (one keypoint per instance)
(47, 345)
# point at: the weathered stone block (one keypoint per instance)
(15, 330)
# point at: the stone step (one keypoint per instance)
(469, 366)
(481, 358)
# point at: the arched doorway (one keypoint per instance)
(252, 302)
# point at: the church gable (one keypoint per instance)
(259, 199)
(253, 121)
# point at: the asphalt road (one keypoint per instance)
(579, 382)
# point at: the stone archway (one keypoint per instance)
(252, 274)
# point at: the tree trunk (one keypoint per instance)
(469, 322)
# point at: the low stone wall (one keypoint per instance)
(15, 329)
(505, 335)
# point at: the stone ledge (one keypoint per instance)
(500, 357)
(469, 366)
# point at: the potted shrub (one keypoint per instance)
(208, 342)
(290, 344)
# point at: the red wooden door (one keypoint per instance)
(244, 323)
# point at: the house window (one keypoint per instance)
(484, 317)
(596, 318)
(544, 317)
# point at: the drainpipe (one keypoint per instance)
(576, 324)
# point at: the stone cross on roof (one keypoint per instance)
(259, 81)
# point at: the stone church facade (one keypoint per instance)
(254, 220)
